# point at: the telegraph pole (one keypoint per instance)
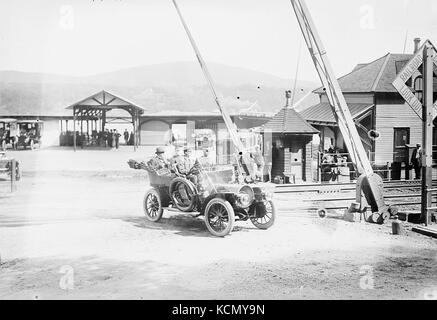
(428, 117)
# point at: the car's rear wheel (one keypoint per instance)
(152, 205)
(219, 217)
(266, 220)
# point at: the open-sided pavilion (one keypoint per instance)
(93, 111)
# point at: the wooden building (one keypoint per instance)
(290, 145)
(376, 105)
(197, 130)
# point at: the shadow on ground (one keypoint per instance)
(183, 224)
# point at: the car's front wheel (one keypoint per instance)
(267, 219)
(219, 217)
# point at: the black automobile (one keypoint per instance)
(220, 203)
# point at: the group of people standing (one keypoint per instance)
(111, 138)
(333, 165)
(107, 138)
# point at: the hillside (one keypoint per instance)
(171, 86)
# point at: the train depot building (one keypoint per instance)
(293, 144)
(375, 105)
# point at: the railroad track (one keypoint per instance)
(340, 196)
(342, 187)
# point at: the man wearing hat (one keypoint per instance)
(176, 160)
(158, 162)
(416, 160)
(205, 161)
(185, 165)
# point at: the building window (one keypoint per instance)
(418, 88)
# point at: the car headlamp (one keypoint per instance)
(244, 200)
(245, 196)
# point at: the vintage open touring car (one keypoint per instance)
(221, 204)
(30, 134)
(8, 133)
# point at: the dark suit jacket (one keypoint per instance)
(414, 159)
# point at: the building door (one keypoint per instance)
(295, 163)
(401, 139)
(154, 133)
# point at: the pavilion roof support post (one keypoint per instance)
(81, 125)
(103, 119)
(136, 129)
(135, 124)
(74, 129)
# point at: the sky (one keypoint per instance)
(85, 37)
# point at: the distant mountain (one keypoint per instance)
(170, 86)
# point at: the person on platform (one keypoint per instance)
(117, 138)
(105, 138)
(111, 139)
(131, 139)
(416, 160)
(126, 136)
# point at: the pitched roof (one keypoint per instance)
(289, 121)
(323, 113)
(106, 100)
(376, 76)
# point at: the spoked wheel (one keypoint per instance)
(219, 217)
(183, 194)
(153, 206)
(267, 220)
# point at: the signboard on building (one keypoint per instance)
(412, 71)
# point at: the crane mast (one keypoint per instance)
(226, 117)
(369, 185)
(230, 125)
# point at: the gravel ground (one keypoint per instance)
(78, 216)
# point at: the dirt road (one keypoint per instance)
(75, 229)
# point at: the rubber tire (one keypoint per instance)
(322, 213)
(158, 217)
(270, 223)
(193, 189)
(230, 212)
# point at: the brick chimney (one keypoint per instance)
(288, 99)
(416, 44)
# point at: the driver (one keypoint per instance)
(186, 166)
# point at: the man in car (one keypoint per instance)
(205, 161)
(158, 162)
(188, 167)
